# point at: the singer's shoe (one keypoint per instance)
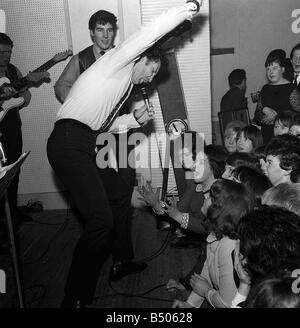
(121, 269)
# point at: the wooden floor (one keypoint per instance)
(46, 246)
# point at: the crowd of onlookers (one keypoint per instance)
(242, 200)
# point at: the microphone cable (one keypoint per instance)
(142, 295)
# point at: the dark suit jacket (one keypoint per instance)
(234, 99)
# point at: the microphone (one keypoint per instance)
(145, 97)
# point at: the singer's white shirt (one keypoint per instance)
(101, 87)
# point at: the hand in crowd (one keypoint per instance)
(172, 210)
(181, 304)
(149, 196)
(269, 115)
(245, 281)
(199, 284)
(143, 115)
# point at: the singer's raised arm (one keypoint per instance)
(100, 88)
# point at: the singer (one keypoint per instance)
(91, 108)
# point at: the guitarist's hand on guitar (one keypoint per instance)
(7, 91)
(37, 76)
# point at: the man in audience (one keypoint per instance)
(269, 244)
(234, 99)
(295, 59)
(282, 158)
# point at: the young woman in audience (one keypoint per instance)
(202, 168)
(260, 154)
(248, 139)
(230, 135)
(295, 126)
(229, 202)
(286, 195)
(283, 122)
(235, 160)
(276, 96)
(256, 181)
(274, 292)
(283, 158)
(269, 243)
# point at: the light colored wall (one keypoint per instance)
(253, 28)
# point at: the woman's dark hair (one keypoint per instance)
(286, 117)
(252, 133)
(274, 292)
(243, 159)
(102, 17)
(269, 242)
(296, 120)
(230, 201)
(276, 56)
(259, 152)
(216, 156)
(253, 179)
(5, 39)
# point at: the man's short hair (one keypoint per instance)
(296, 47)
(287, 148)
(156, 54)
(269, 241)
(102, 17)
(5, 39)
(236, 77)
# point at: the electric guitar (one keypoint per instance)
(8, 91)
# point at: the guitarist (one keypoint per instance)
(10, 127)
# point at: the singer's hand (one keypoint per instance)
(142, 115)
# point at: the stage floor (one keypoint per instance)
(46, 245)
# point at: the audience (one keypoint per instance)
(286, 195)
(274, 292)
(276, 96)
(295, 60)
(295, 126)
(269, 244)
(229, 202)
(230, 135)
(248, 139)
(256, 181)
(283, 157)
(203, 168)
(260, 154)
(235, 160)
(283, 122)
(234, 99)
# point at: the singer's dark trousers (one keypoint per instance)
(103, 210)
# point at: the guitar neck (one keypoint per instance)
(45, 66)
(22, 82)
